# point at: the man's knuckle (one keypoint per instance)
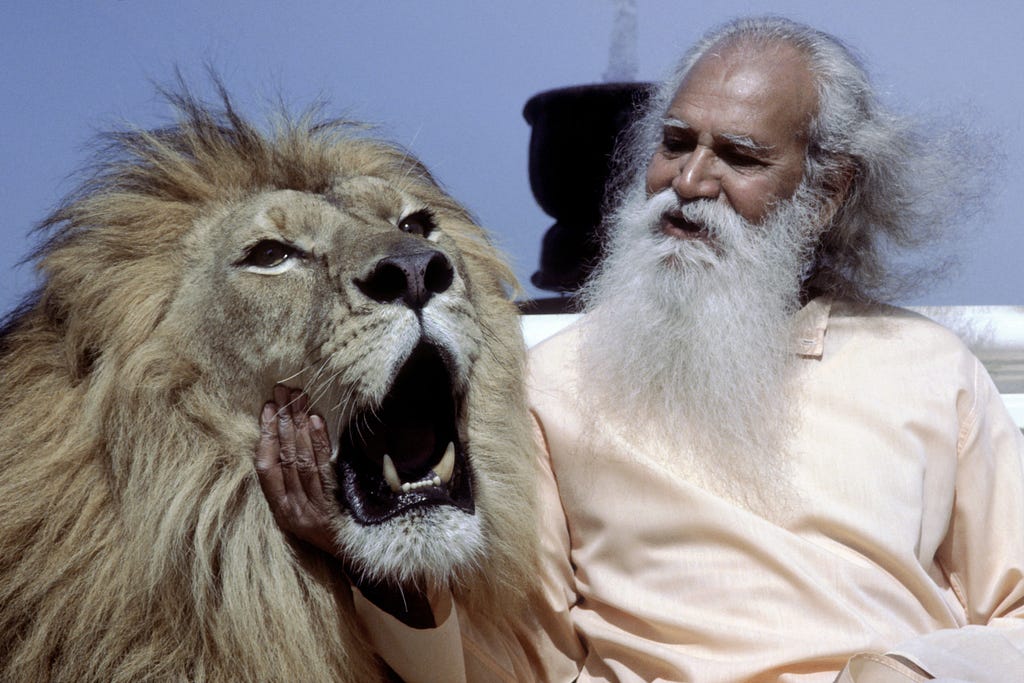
(306, 466)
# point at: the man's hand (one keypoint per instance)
(293, 465)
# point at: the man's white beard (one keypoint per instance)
(687, 345)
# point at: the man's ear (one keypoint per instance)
(837, 191)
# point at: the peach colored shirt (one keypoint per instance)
(907, 534)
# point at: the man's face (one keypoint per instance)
(736, 133)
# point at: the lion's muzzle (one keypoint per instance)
(408, 452)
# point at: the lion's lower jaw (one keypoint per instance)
(426, 547)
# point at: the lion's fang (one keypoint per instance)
(441, 474)
(391, 474)
(444, 469)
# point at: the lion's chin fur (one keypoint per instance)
(135, 543)
(454, 546)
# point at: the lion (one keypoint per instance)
(197, 266)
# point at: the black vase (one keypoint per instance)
(574, 132)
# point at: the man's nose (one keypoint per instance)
(696, 177)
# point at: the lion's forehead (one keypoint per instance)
(371, 196)
(348, 203)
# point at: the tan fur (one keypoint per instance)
(135, 544)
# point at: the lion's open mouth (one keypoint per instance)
(408, 452)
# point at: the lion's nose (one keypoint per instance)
(411, 277)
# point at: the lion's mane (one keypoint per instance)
(135, 543)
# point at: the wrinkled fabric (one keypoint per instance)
(905, 533)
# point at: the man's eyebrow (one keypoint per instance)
(746, 142)
(670, 122)
(737, 140)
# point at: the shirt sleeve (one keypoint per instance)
(983, 553)
(412, 652)
(467, 647)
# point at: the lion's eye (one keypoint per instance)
(418, 223)
(268, 255)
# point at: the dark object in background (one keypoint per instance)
(571, 145)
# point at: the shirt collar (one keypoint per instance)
(809, 326)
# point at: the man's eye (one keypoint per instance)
(418, 223)
(268, 254)
(741, 159)
(676, 145)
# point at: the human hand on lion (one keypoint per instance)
(293, 467)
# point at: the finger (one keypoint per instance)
(300, 404)
(321, 442)
(321, 456)
(281, 395)
(268, 467)
(305, 460)
(286, 437)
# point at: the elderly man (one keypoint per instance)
(749, 472)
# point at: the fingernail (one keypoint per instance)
(317, 422)
(268, 412)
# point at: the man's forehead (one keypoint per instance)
(761, 92)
